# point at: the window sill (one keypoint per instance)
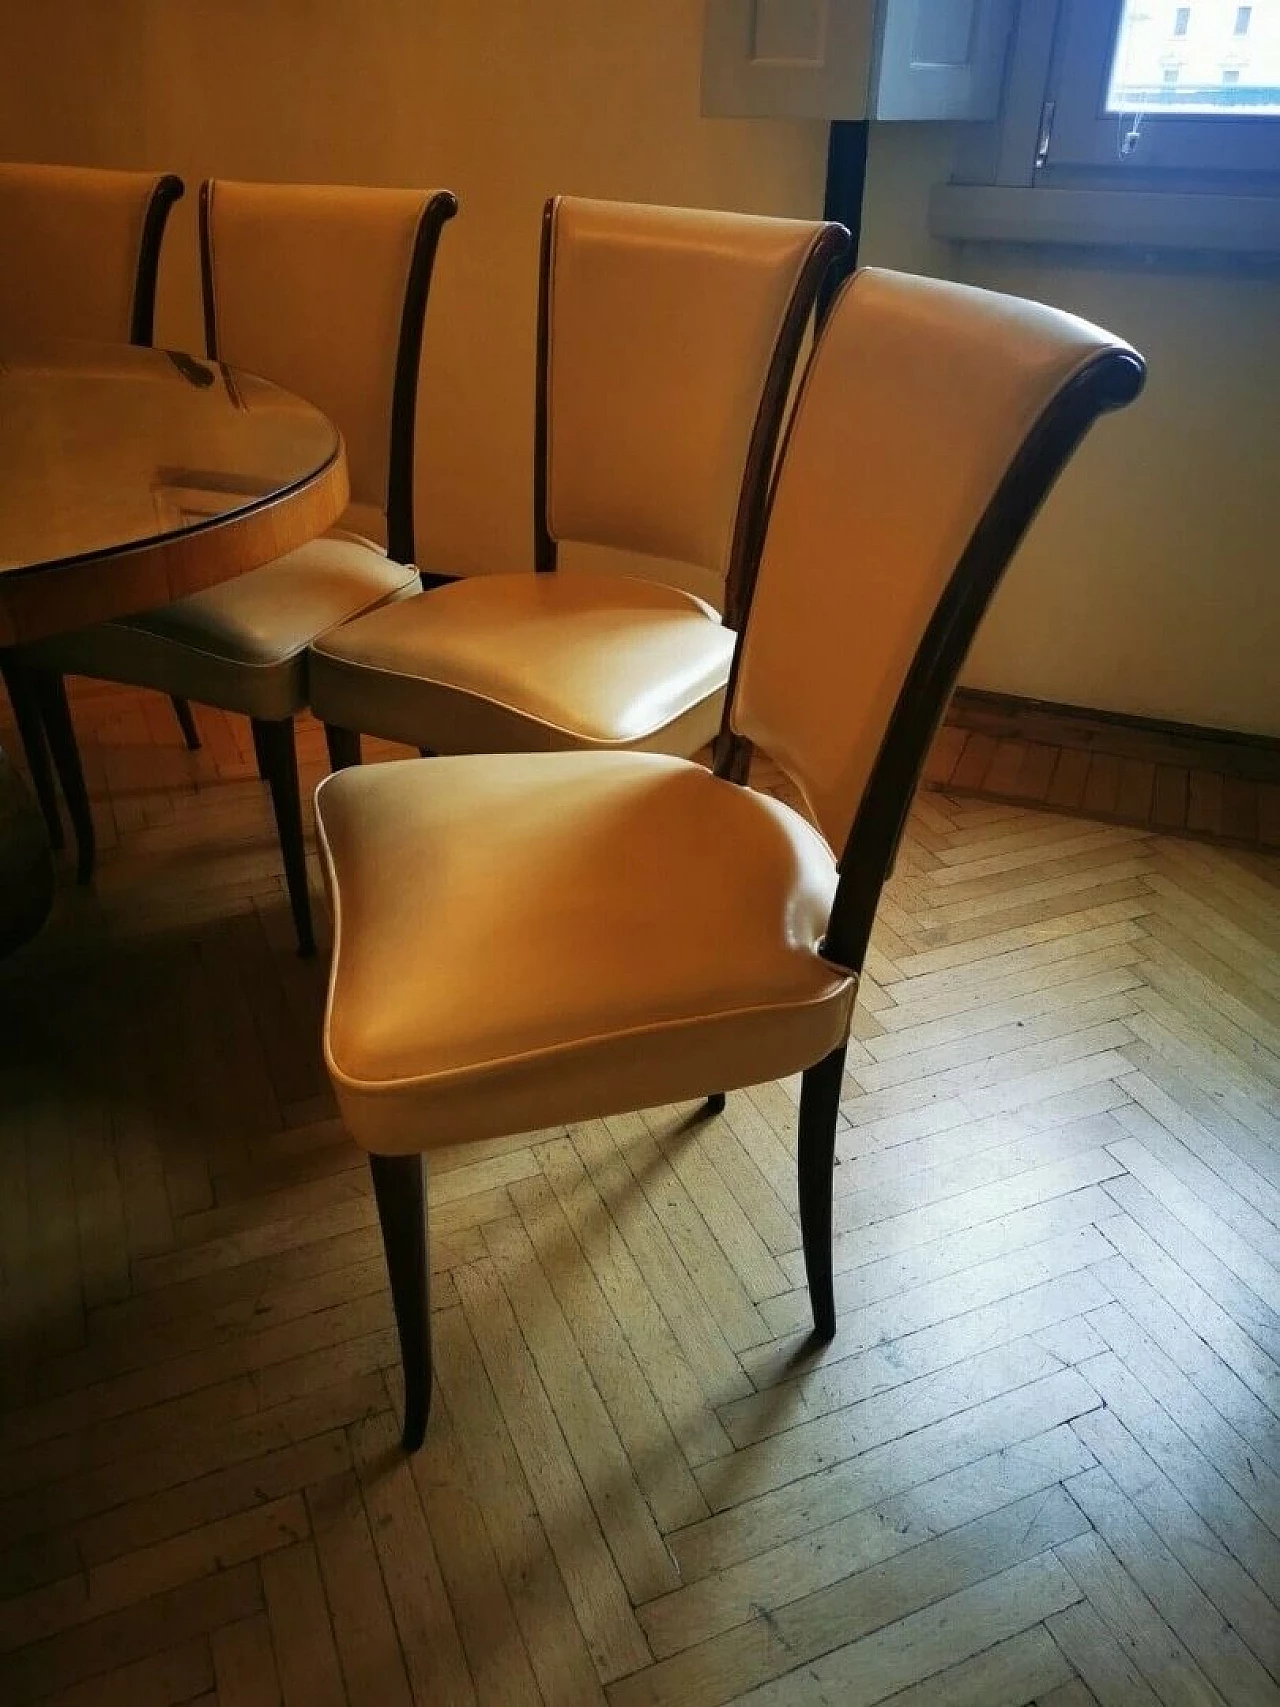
(1149, 220)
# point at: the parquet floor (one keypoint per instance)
(1194, 783)
(1040, 1463)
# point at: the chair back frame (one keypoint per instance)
(437, 211)
(1111, 380)
(166, 189)
(831, 241)
(169, 189)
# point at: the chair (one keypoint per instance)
(81, 253)
(667, 338)
(323, 290)
(589, 933)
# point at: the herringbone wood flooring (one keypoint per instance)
(1041, 1461)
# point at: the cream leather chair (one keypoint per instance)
(589, 932)
(667, 338)
(322, 289)
(81, 251)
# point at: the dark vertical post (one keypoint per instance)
(846, 182)
(55, 713)
(26, 714)
(186, 722)
(343, 745)
(819, 1106)
(399, 1188)
(273, 739)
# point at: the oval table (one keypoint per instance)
(128, 478)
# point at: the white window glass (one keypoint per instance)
(1228, 60)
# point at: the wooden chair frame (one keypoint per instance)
(273, 740)
(345, 745)
(1110, 381)
(753, 494)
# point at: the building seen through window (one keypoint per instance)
(1211, 57)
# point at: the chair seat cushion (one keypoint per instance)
(527, 939)
(521, 663)
(241, 645)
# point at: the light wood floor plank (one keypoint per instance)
(302, 1634)
(1221, 1655)
(1242, 1604)
(557, 1643)
(244, 1663)
(1136, 1624)
(927, 1641)
(414, 1584)
(1012, 1672)
(590, 1572)
(363, 1628)
(1038, 1464)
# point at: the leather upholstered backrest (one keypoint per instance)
(669, 339)
(931, 422)
(80, 248)
(322, 289)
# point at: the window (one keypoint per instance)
(1175, 107)
(1165, 94)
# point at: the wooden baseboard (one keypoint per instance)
(1228, 752)
(1173, 777)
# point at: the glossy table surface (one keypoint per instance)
(130, 477)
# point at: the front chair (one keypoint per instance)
(589, 933)
(322, 289)
(81, 251)
(667, 340)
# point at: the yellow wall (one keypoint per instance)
(1149, 583)
(502, 101)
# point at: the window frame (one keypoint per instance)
(998, 192)
(1084, 135)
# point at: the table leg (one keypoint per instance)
(26, 862)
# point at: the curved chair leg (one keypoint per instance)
(343, 745)
(276, 751)
(26, 714)
(186, 722)
(398, 1186)
(259, 752)
(55, 713)
(819, 1106)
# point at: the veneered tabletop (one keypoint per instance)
(130, 477)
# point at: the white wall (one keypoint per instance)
(1150, 582)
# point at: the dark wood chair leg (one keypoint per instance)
(343, 745)
(819, 1106)
(186, 722)
(714, 1103)
(259, 752)
(26, 714)
(55, 714)
(275, 746)
(398, 1186)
